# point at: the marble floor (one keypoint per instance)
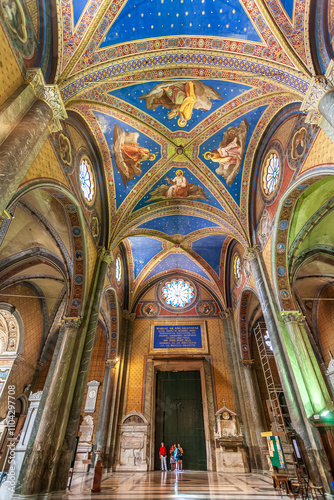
(185, 485)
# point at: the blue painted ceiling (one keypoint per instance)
(179, 85)
(154, 18)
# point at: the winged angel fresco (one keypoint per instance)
(181, 97)
(230, 152)
(128, 154)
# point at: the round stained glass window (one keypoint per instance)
(271, 174)
(237, 267)
(118, 269)
(178, 293)
(86, 180)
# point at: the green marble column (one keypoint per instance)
(125, 347)
(242, 402)
(61, 469)
(101, 435)
(316, 398)
(39, 458)
(289, 371)
(256, 416)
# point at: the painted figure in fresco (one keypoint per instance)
(230, 151)
(179, 188)
(65, 149)
(299, 143)
(181, 97)
(14, 16)
(128, 154)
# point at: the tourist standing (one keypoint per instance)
(176, 457)
(163, 456)
(180, 456)
(171, 456)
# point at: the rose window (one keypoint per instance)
(86, 180)
(178, 293)
(271, 174)
(118, 269)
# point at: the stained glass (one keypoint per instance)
(237, 267)
(271, 174)
(86, 180)
(177, 293)
(268, 341)
(118, 269)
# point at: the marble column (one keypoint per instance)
(311, 382)
(59, 482)
(127, 361)
(118, 406)
(239, 387)
(308, 434)
(41, 450)
(258, 420)
(101, 434)
(318, 102)
(26, 119)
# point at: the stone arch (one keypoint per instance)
(76, 224)
(280, 255)
(114, 323)
(11, 336)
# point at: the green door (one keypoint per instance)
(179, 417)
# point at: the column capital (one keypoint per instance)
(108, 257)
(252, 252)
(48, 93)
(132, 316)
(227, 313)
(69, 322)
(292, 316)
(247, 363)
(319, 86)
(111, 363)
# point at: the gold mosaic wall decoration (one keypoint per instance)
(217, 350)
(10, 74)
(46, 166)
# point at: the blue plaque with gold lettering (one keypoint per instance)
(177, 337)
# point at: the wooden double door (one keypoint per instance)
(179, 417)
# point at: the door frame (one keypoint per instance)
(202, 365)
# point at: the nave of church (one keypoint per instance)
(166, 249)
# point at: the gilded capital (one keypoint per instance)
(247, 363)
(108, 257)
(319, 86)
(48, 93)
(292, 316)
(252, 252)
(69, 322)
(111, 363)
(227, 313)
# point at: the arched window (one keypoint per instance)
(11, 330)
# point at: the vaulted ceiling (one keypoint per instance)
(190, 85)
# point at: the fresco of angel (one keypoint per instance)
(128, 154)
(230, 152)
(178, 188)
(181, 97)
